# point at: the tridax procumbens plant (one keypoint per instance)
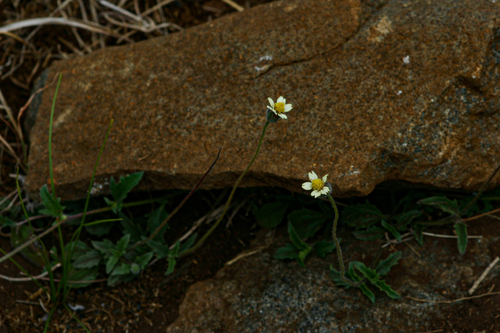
(274, 112)
(322, 189)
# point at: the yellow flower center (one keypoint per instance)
(317, 184)
(279, 107)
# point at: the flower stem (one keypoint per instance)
(200, 242)
(339, 250)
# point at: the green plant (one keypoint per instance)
(299, 250)
(274, 112)
(80, 263)
(372, 276)
(412, 213)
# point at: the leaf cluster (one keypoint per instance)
(119, 260)
(299, 250)
(413, 213)
(122, 260)
(357, 271)
(303, 223)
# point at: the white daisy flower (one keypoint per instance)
(280, 107)
(317, 185)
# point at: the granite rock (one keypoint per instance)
(262, 294)
(389, 90)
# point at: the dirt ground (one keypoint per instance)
(151, 303)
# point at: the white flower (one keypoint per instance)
(317, 185)
(280, 107)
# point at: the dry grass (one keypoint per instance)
(89, 26)
(35, 33)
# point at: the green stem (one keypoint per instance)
(337, 245)
(200, 242)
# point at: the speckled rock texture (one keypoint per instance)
(266, 295)
(382, 91)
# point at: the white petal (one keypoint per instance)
(315, 193)
(325, 190)
(282, 116)
(281, 99)
(312, 176)
(307, 186)
(270, 101)
(324, 178)
(288, 107)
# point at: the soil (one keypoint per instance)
(151, 303)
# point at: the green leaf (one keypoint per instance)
(461, 230)
(384, 266)
(307, 222)
(174, 253)
(113, 205)
(362, 216)
(406, 218)
(133, 228)
(371, 233)
(387, 289)
(79, 248)
(445, 204)
(143, 260)
(418, 230)
(302, 256)
(335, 275)
(289, 251)
(322, 248)
(89, 274)
(187, 245)
(87, 260)
(171, 265)
(271, 214)
(52, 205)
(368, 293)
(370, 274)
(113, 280)
(111, 263)
(160, 249)
(156, 217)
(121, 269)
(119, 191)
(352, 271)
(104, 247)
(392, 230)
(299, 244)
(121, 245)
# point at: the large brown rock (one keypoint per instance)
(382, 90)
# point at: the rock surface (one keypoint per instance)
(382, 90)
(262, 294)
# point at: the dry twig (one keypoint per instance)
(454, 301)
(27, 279)
(481, 278)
